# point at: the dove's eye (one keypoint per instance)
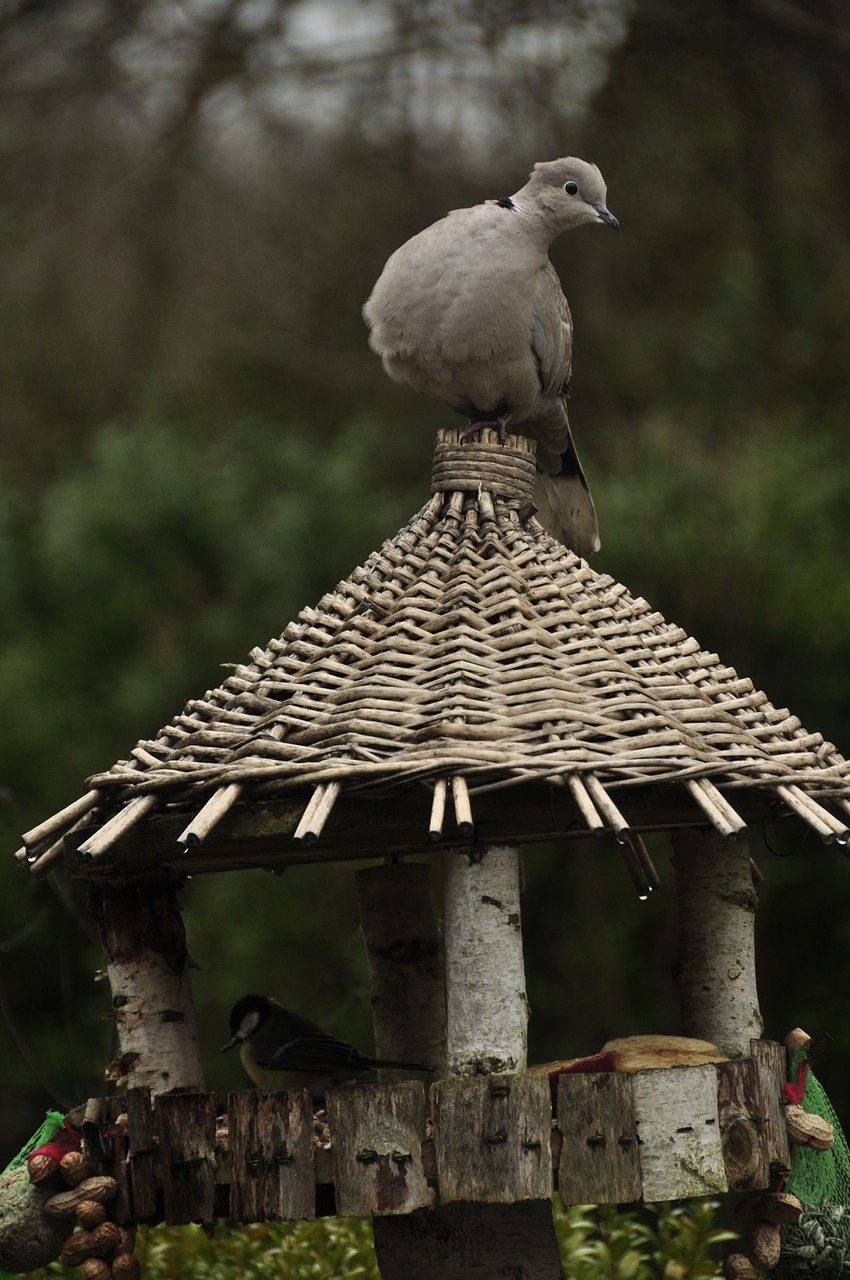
(571, 188)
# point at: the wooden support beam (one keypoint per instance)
(470, 1242)
(486, 1003)
(716, 972)
(405, 957)
(141, 931)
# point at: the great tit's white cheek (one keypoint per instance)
(248, 1025)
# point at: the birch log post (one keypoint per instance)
(716, 970)
(405, 960)
(144, 942)
(494, 1143)
(486, 1003)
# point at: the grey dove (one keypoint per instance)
(471, 311)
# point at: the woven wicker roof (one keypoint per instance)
(471, 651)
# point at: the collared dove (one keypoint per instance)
(471, 311)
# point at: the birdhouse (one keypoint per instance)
(472, 688)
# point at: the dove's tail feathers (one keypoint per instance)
(565, 507)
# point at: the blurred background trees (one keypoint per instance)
(195, 440)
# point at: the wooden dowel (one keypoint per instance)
(607, 808)
(756, 874)
(317, 812)
(641, 853)
(122, 821)
(585, 804)
(44, 860)
(828, 827)
(438, 810)
(716, 808)
(307, 816)
(723, 806)
(463, 809)
(219, 803)
(635, 870)
(46, 830)
(41, 857)
(323, 810)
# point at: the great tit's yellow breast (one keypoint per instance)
(267, 1077)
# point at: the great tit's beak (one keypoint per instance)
(229, 1044)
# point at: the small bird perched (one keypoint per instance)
(471, 311)
(281, 1050)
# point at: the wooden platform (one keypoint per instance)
(661, 1134)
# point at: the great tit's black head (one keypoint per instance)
(246, 1017)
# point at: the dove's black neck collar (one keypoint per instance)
(505, 203)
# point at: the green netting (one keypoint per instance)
(52, 1124)
(819, 1177)
(817, 1246)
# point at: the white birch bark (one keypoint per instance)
(486, 1003)
(681, 1151)
(716, 972)
(145, 947)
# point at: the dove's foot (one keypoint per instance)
(499, 424)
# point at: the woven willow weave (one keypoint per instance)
(472, 643)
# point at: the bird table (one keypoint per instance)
(474, 687)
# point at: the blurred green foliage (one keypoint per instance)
(658, 1242)
(195, 441)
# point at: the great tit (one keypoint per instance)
(281, 1050)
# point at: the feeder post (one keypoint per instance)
(716, 970)
(144, 942)
(492, 1126)
(405, 961)
(486, 1003)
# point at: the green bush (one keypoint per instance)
(661, 1242)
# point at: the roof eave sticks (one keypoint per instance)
(829, 828)
(317, 812)
(219, 803)
(438, 810)
(607, 808)
(727, 823)
(103, 840)
(586, 806)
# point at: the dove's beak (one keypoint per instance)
(604, 216)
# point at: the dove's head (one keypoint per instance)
(562, 194)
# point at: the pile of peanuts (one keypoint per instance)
(102, 1249)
